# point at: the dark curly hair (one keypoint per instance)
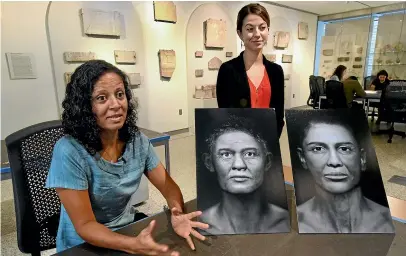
(78, 119)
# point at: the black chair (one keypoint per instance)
(374, 105)
(37, 208)
(335, 95)
(394, 106)
(317, 88)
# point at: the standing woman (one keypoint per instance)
(250, 80)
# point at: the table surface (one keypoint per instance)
(285, 244)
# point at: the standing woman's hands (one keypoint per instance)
(184, 226)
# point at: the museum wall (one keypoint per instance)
(165, 104)
(30, 101)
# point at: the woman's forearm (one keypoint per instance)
(173, 196)
(99, 235)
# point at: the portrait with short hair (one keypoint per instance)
(240, 183)
(338, 184)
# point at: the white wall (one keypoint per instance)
(30, 101)
(160, 101)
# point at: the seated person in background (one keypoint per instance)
(339, 73)
(380, 82)
(351, 87)
(97, 167)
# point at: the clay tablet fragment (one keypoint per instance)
(281, 39)
(270, 57)
(215, 33)
(287, 58)
(303, 30)
(357, 66)
(214, 63)
(229, 54)
(358, 59)
(167, 62)
(198, 54)
(165, 11)
(328, 52)
(67, 77)
(125, 57)
(343, 59)
(79, 56)
(199, 72)
(328, 61)
(135, 78)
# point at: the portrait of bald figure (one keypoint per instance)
(238, 176)
(331, 147)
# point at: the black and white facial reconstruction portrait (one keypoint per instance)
(338, 184)
(240, 183)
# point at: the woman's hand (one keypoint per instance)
(184, 226)
(144, 244)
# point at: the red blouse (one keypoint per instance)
(261, 97)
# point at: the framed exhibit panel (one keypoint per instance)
(21, 65)
(338, 184)
(240, 183)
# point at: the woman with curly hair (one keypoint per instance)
(97, 166)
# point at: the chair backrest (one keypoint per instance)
(394, 97)
(367, 81)
(316, 85)
(37, 208)
(335, 95)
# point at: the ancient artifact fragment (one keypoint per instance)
(229, 54)
(287, 58)
(167, 62)
(343, 59)
(328, 52)
(328, 61)
(359, 50)
(358, 59)
(215, 33)
(303, 30)
(357, 66)
(67, 76)
(205, 92)
(101, 23)
(214, 63)
(270, 57)
(198, 54)
(135, 78)
(281, 39)
(125, 57)
(165, 11)
(79, 56)
(199, 72)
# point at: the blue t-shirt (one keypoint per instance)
(110, 185)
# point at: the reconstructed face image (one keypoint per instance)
(239, 173)
(338, 184)
(332, 155)
(239, 161)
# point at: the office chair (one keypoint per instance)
(317, 88)
(37, 208)
(335, 95)
(394, 105)
(374, 105)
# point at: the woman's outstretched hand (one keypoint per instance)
(145, 244)
(184, 226)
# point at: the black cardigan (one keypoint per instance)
(233, 90)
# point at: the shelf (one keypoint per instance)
(401, 64)
(387, 52)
